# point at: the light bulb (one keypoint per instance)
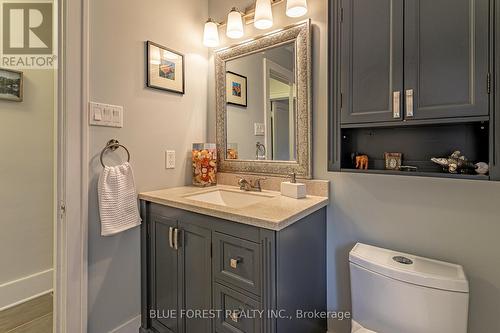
(263, 14)
(296, 8)
(234, 24)
(211, 34)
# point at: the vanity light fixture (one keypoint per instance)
(234, 24)
(211, 34)
(262, 19)
(263, 14)
(296, 8)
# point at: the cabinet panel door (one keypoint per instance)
(371, 60)
(239, 313)
(446, 57)
(195, 276)
(163, 277)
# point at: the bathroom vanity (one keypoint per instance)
(222, 260)
(228, 261)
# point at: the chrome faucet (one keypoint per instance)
(245, 185)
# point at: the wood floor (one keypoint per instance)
(34, 316)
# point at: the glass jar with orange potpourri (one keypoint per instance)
(204, 157)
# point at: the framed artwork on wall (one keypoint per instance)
(11, 85)
(165, 68)
(236, 89)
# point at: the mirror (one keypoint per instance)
(263, 104)
(261, 120)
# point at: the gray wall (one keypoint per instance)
(27, 179)
(452, 220)
(153, 122)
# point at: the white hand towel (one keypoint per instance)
(117, 200)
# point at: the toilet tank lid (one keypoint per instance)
(410, 268)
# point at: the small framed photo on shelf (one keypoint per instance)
(236, 89)
(11, 85)
(393, 161)
(165, 68)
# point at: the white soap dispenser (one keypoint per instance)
(293, 189)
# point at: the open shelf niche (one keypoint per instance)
(418, 144)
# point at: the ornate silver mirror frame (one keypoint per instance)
(299, 34)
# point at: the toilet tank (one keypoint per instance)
(395, 292)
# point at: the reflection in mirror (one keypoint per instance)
(263, 90)
(261, 105)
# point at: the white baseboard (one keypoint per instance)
(26, 288)
(131, 326)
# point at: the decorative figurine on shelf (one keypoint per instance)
(362, 162)
(482, 168)
(458, 163)
(393, 161)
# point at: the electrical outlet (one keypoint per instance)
(170, 159)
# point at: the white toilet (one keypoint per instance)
(395, 292)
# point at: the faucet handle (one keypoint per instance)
(257, 181)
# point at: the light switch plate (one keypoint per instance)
(259, 128)
(170, 159)
(106, 115)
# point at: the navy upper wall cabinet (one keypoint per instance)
(415, 77)
(371, 60)
(413, 60)
(446, 58)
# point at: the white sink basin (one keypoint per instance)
(229, 198)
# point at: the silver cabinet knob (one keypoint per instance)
(233, 262)
(235, 315)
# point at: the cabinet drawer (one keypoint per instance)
(238, 262)
(238, 312)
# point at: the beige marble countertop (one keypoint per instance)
(275, 212)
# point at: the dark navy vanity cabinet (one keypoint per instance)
(204, 274)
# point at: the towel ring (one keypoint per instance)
(113, 145)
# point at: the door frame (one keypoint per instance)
(269, 67)
(70, 245)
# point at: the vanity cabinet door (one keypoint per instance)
(371, 61)
(446, 58)
(237, 262)
(239, 313)
(163, 276)
(195, 277)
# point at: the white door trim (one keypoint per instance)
(70, 302)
